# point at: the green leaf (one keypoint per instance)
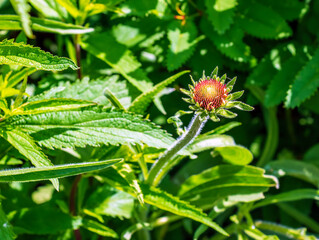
(239, 105)
(91, 91)
(226, 113)
(118, 57)
(256, 234)
(49, 9)
(110, 202)
(57, 171)
(221, 129)
(98, 228)
(50, 105)
(90, 126)
(230, 43)
(236, 155)
(288, 9)
(221, 13)
(29, 56)
(305, 84)
(235, 95)
(12, 22)
(293, 195)
(22, 8)
(261, 21)
(27, 147)
(302, 170)
(208, 142)
(18, 76)
(225, 181)
(140, 104)
(279, 85)
(6, 232)
(182, 39)
(70, 7)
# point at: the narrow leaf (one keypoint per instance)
(208, 142)
(226, 113)
(57, 171)
(99, 228)
(236, 155)
(22, 8)
(293, 195)
(118, 57)
(29, 56)
(27, 147)
(140, 104)
(6, 232)
(12, 22)
(18, 76)
(235, 95)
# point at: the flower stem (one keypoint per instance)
(162, 164)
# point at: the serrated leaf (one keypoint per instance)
(236, 155)
(261, 21)
(305, 84)
(90, 126)
(22, 8)
(98, 228)
(288, 9)
(58, 171)
(223, 181)
(230, 43)
(208, 142)
(140, 104)
(182, 39)
(293, 195)
(50, 105)
(118, 57)
(29, 56)
(163, 200)
(27, 147)
(90, 90)
(302, 170)
(221, 13)
(279, 85)
(12, 22)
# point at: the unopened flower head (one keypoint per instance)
(212, 97)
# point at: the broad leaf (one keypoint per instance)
(22, 8)
(91, 91)
(182, 39)
(305, 84)
(118, 57)
(230, 43)
(57, 171)
(236, 155)
(288, 9)
(27, 147)
(303, 170)
(221, 13)
(12, 22)
(29, 56)
(140, 104)
(279, 85)
(261, 21)
(293, 195)
(90, 126)
(225, 181)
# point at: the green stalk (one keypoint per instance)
(163, 163)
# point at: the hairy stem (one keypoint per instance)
(162, 164)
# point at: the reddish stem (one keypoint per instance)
(72, 204)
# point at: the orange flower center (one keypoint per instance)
(210, 94)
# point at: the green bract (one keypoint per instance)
(211, 96)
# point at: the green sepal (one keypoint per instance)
(194, 83)
(185, 91)
(214, 117)
(204, 76)
(234, 95)
(230, 84)
(214, 72)
(193, 107)
(226, 113)
(203, 116)
(223, 78)
(188, 100)
(191, 87)
(239, 105)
